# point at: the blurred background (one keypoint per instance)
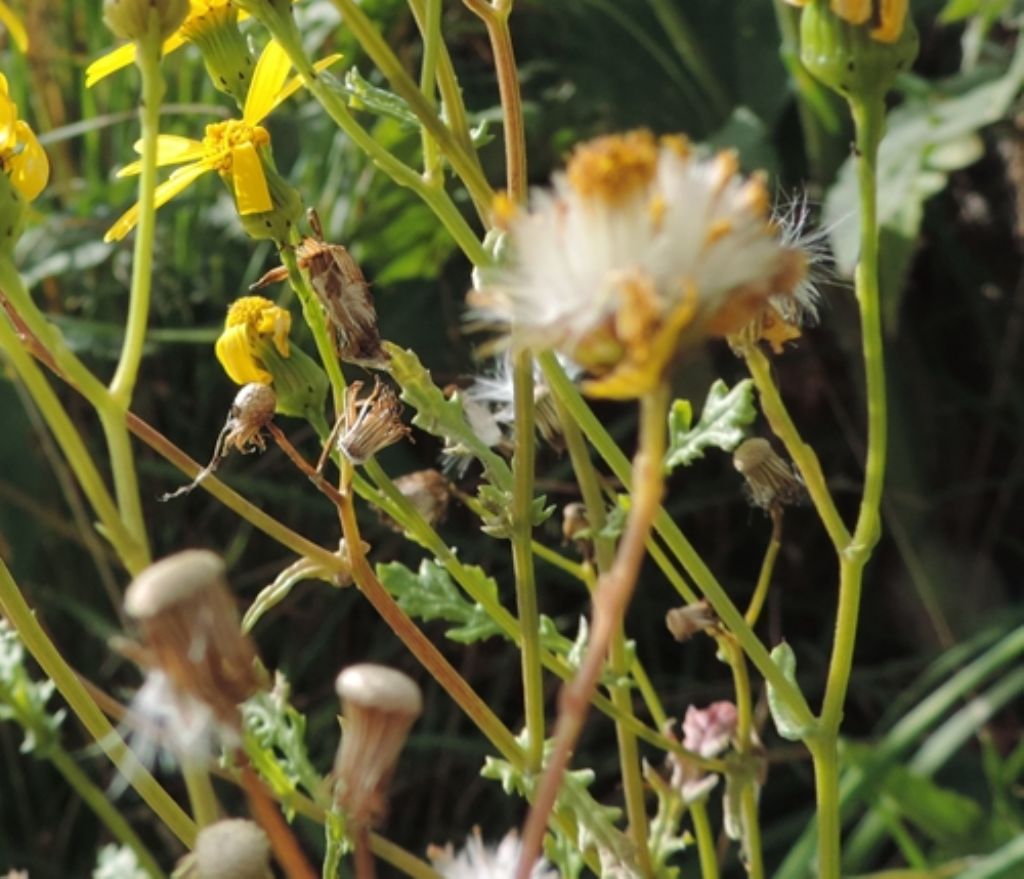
(945, 582)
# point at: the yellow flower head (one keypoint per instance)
(23, 159)
(14, 27)
(235, 149)
(251, 323)
(886, 17)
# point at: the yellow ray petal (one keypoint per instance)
(268, 77)
(122, 57)
(251, 190)
(180, 179)
(8, 120)
(30, 168)
(893, 15)
(3, 85)
(295, 83)
(170, 150)
(234, 352)
(14, 27)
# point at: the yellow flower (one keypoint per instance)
(14, 27)
(251, 322)
(202, 14)
(886, 16)
(231, 148)
(24, 160)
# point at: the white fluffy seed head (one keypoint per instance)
(233, 849)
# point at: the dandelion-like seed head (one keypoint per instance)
(477, 860)
(190, 626)
(231, 849)
(771, 482)
(640, 250)
(379, 706)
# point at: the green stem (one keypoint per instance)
(201, 795)
(764, 578)
(88, 712)
(802, 454)
(112, 819)
(432, 43)
(73, 448)
(754, 860)
(705, 841)
(522, 559)
(464, 163)
(333, 101)
(677, 543)
(825, 754)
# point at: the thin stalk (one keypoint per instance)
(73, 448)
(465, 164)
(201, 796)
(764, 577)
(88, 712)
(611, 599)
(869, 122)
(677, 543)
(432, 43)
(522, 560)
(333, 101)
(495, 17)
(604, 553)
(112, 819)
(285, 846)
(802, 454)
(706, 849)
(754, 859)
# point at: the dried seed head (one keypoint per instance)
(574, 521)
(230, 849)
(428, 491)
(370, 424)
(189, 623)
(685, 622)
(771, 482)
(477, 860)
(379, 706)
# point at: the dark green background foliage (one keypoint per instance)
(946, 573)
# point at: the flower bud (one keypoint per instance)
(379, 705)
(229, 849)
(685, 622)
(771, 482)
(130, 19)
(213, 27)
(854, 51)
(190, 625)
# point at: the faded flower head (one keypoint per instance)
(428, 491)
(370, 423)
(771, 482)
(229, 849)
(707, 732)
(641, 250)
(479, 861)
(685, 622)
(190, 629)
(379, 706)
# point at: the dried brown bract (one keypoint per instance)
(369, 424)
(428, 491)
(341, 287)
(771, 481)
(685, 622)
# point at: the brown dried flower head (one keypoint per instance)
(685, 622)
(379, 705)
(369, 424)
(229, 849)
(341, 287)
(190, 627)
(428, 491)
(771, 482)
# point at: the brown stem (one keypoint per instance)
(283, 842)
(364, 863)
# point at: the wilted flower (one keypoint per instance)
(379, 705)
(428, 491)
(771, 482)
(685, 622)
(369, 424)
(229, 849)
(251, 411)
(14, 27)
(478, 861)
(235, 149)
(641, 250)
(203, 663)
(707, 732)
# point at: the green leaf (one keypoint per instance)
(442, 417)
(363, 95)
(430, 594)
(785, 722)
(726, 413)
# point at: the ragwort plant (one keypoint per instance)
(642, 250)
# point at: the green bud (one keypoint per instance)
(276, 224)
(224, 49)
(130, 19)
(299, 382)
(847, 58)
(13, 213)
